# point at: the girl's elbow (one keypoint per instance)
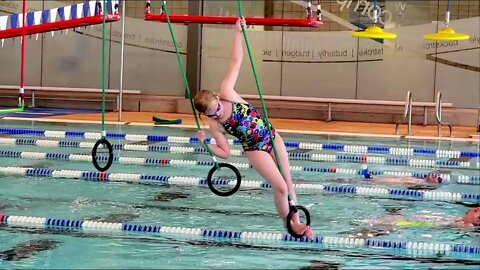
(226, 155)
(237, 59)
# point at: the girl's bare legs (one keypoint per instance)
(285, 163)
(266, 167)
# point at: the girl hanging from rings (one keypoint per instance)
(229, 113)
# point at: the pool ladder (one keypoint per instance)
(407, 112)
(438, 116)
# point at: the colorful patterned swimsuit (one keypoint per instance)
(249, 127)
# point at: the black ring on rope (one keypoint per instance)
(106, 143)
(293, 210)
(210, 182)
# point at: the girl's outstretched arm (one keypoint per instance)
(227, 90)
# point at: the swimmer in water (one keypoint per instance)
(380, 225)
(432, 178)
(470, 219)
(429, 182)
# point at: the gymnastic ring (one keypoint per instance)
(210, 181)
(106, 143)
(293, 210)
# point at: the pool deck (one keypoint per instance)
(284, 125)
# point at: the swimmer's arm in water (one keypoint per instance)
(397, 180)
(221, 149)
(371, 232)
(462, 224)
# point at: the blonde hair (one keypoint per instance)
(202, 99)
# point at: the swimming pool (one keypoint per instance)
(337, 209)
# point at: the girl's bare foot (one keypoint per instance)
(309, 233)
(303, 229)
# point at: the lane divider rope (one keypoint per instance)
(405, 151)
(460, 179)
(344, 158)
(197, 181)
(271, 237)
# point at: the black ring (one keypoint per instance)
(210, 182)
(293, 210)
(104, 142)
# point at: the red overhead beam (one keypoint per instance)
(232, 20)
(58, 25)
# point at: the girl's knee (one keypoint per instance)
(281, 189)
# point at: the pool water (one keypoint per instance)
(197, 207)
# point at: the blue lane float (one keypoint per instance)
(219, 234)
(302, 145)
(361, 191)
(460, 179)
(322, 157)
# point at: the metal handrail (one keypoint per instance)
(407, 112)
(438, 116)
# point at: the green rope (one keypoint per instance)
(258, 87)
(240, 11)
(184, 74)
(104, 11)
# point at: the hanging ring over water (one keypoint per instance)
(294, 209)
(210, 182)
(106, 144)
